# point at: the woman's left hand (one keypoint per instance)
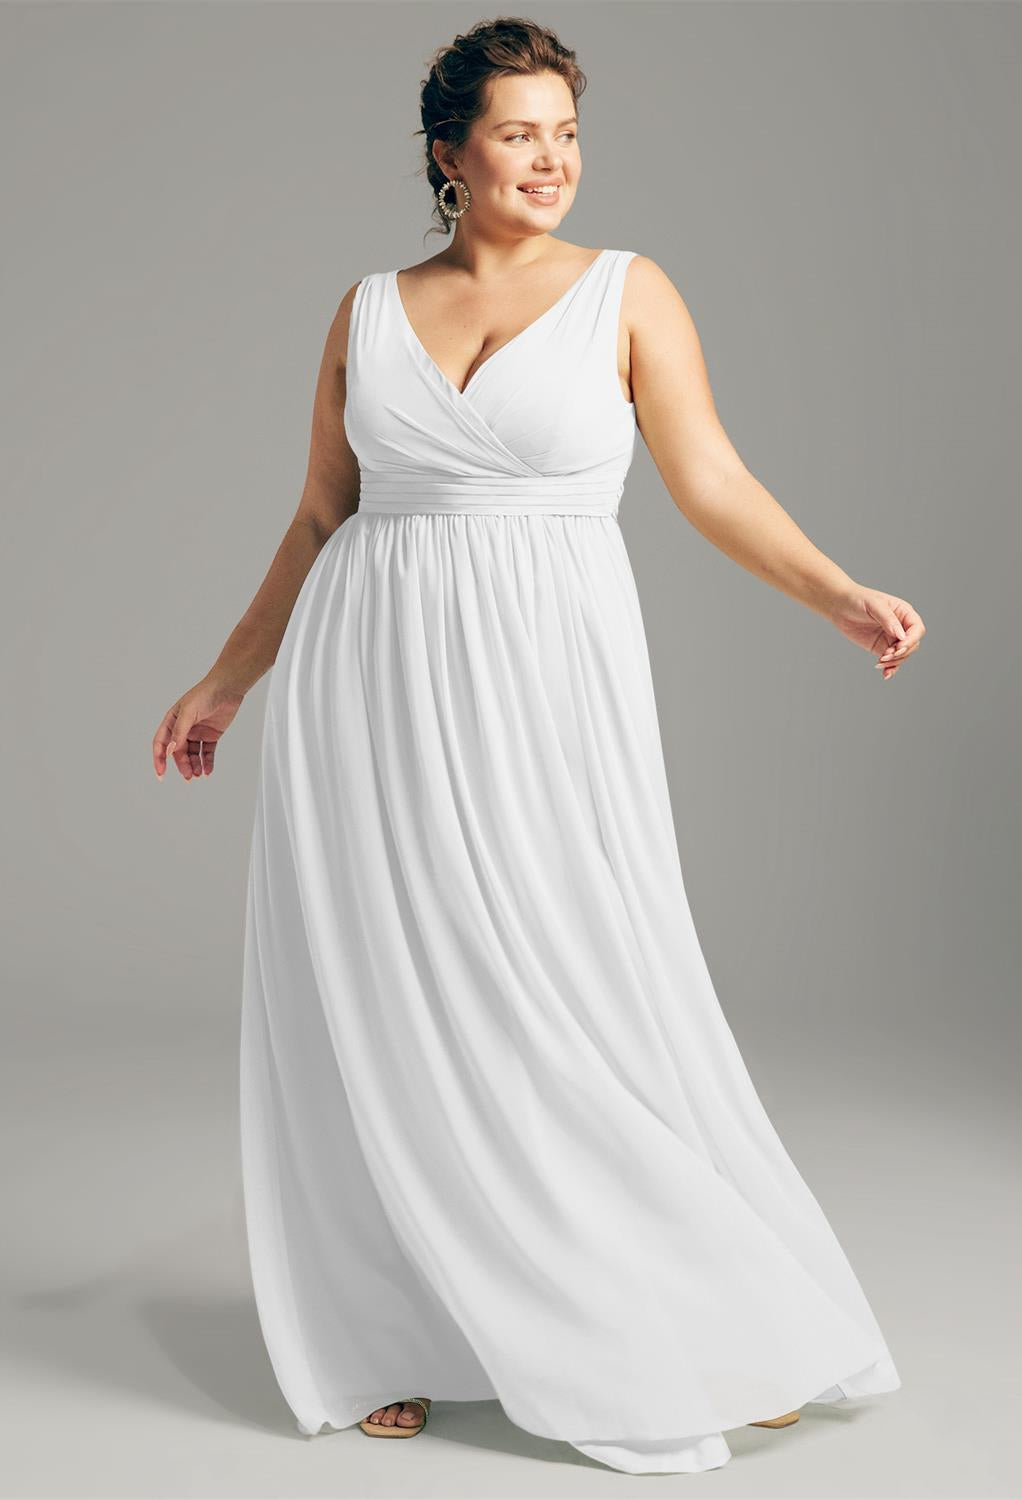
(881, 623)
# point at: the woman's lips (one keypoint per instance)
(541, 197)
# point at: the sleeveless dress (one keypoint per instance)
(498, 1141)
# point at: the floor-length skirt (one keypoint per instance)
(498, 1138)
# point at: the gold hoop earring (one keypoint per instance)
(449, 209)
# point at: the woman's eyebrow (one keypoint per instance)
(534, 124)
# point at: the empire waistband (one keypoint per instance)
(490, 495)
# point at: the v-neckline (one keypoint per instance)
(463, 393)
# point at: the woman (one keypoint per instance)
(498, 1140)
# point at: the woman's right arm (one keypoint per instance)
(191, 727)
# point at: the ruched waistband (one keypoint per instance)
(497, 495)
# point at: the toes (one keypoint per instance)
(385, 1416)
(408, 1413)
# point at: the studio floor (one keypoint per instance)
(133, 1364)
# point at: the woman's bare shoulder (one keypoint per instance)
(337, 334)
(649, 294)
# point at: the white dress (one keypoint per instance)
(498, 1140)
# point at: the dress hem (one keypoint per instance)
(685, 1455)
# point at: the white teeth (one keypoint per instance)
(540, 192)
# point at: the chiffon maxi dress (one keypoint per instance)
(498, 1140)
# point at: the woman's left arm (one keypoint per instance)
(713, 489)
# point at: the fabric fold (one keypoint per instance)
(499, 1141)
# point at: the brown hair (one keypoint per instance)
(455, 94)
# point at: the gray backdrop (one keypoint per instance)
(189, 190)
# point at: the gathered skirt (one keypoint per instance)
(498, 1138)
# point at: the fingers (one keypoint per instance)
(893, 625)
(908, 630)
(898, 653)
(163, 740)
(891, 659)
(179, 746)
(909, 642)
(192, 756)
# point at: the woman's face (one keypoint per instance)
(528, 136)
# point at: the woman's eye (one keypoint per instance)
(521, 135)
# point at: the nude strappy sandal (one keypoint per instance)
(785, 1421)
(377, 1429)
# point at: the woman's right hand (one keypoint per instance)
(190, 729)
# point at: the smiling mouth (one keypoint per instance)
(545, 195)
